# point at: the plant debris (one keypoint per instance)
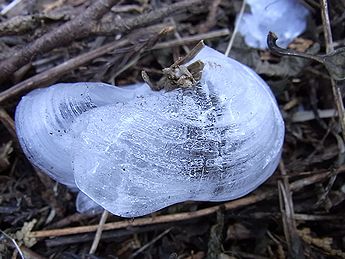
(298, 212)
(333, 61)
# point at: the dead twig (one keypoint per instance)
(99, 232)
(9, 7)
(326, 25)
(251, 199)
(13, 242)
(327, 189)
(211, 18)
(237, 24)
(177, 34)
(287, 209)
(141, 249)
(106, 235)
(192, 39)
(308, 217)
(329, 48)
(8, 122)
(76, 217)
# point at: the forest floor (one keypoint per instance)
(298, 213)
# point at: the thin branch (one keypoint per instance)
(177, 34)
(14, 243)
(237, 24)
(192, 39)
(274, 48)
(211, 20)
(333, 61)
(329, 48)
(140, 250)
(8, 122)
(326, 25)
(9, 7)
(99, 232)
(313, 217)
(326, 191)
(156, 220)
(288, 216)
(250, 199)
(106, 235)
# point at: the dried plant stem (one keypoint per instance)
(8, 122)
(237, 24)
(9, 7)
(177, 34)
(251, 199)
(340, 105)
(293, 241)
(272, 45)
(140, 250)
(211, 20)
(329, 48)
(14, 243)
(99, 232)
(192, 39)
(326, 24)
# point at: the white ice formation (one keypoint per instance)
(286, 18)
(134, 151)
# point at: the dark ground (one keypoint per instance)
(299, 212)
